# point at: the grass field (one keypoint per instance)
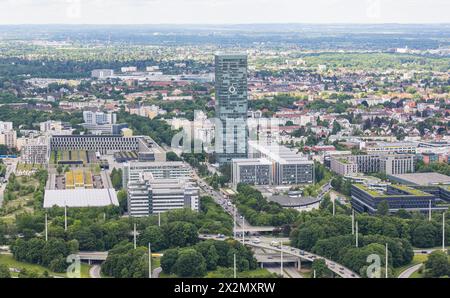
(28, 167)
(21, 203)
(9, 261)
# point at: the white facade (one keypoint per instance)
(147, 195)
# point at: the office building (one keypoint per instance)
(148, 196)
(147, 149)
(367, 199)
(36, 151)
(343, 166)
(389, 164)
(102, 123)
(390, 148)
(159, 170)
(423, 179)
(231, 107)
(397, 164)
(257, 171)
(288, 166)
(99, 118)
(102, 74)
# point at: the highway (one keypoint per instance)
(263, 243)
(288, 250)
(230, 208)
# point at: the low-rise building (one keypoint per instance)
(367, 199)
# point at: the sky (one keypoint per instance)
(222, 11)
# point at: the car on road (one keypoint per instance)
(275, 243)
(256, 240)
(221, 236)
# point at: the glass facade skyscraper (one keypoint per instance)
(231, 107)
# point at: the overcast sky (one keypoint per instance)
(222, 11)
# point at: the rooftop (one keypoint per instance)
(77, 198)
(379, 194)
(423, 179)
(292, 202)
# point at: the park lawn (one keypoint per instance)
(22, 202)
(9, 261)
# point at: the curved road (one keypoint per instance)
(409, 271)
(94, 272)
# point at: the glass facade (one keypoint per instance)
(231, 107)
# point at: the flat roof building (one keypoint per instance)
(367, 199)
(255, 171)
(288, 166)
(424, 179)
(80, 198)
(148, 196)
(147, 148)
(159, 170)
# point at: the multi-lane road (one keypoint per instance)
(228, 206)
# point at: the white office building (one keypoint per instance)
(288, 166)
(148, 196)
(159, 170)
(253, 171)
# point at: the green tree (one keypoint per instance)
(212, 257)
(155, 236)
(4, 271)
(437, 264)
(383, 208)
(320, 267)
(168, 260)
(190, 263)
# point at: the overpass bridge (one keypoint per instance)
(254, 229)
(93, 256)
(307, 256)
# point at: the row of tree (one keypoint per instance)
(258, 211)
(206, 256)
(51, 254)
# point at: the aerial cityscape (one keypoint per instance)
(278, 150)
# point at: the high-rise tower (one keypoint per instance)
(231, 107)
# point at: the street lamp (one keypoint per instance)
(149, 261)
